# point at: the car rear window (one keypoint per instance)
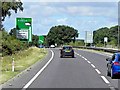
(67, 48)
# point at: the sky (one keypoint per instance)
(83, 16)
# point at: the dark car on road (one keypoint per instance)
(113, 65)
(66, 51)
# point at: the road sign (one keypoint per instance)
(41, 39)
(105, 39)
(24, 29)
(89, 37)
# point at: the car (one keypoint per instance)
(52, 46)
(41, 46)
(66, 51)
(113, 65)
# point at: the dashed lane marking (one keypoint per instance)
(93, 65)
(105, 80)
(88, 61)
(97, 71)
(103, 77)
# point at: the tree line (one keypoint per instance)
(61, 34)
(111, 33)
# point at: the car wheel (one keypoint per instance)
(108, 73)
(112, 75)
(72, 56)
(61, 56)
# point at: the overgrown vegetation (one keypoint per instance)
(0, 43)
(23, 60)
(111, 33)
(7, 8)
(10, 44)
(77, 43)
(61, 34)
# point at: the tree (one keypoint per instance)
(35, 40)
(10, 44)
(111, 33)
(61, 34)
(13, 32)
(8, 6)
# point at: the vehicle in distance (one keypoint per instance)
(41, 46)
(113, 65)
(66, 51)
(52, 46)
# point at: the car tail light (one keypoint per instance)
(116, 63)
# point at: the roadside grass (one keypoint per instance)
(22, 60)
(96, 51)
(0, 43)
(93, 50)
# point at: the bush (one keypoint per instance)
(10, 44)
(77, 43)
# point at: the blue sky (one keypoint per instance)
(83, 16)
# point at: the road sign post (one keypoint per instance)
(13, 65)
(105, 41)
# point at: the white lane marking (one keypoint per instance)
(103, 77)
(88, 61)
(93, 65)
(85, 59)
(97, 71)
(105, 80)
(82, 57)
(41, 70)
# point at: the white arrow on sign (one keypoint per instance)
(41, 41)
(27, 24)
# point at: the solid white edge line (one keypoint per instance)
(97, 71)
(38, 73)
(93, 65)
(105, 80)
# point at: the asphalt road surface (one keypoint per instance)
(86, 70)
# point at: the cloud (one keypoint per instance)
(62, 20)
(76, 9)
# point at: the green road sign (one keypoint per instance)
(41, 39)
(24, 29)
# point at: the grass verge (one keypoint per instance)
(97, 51)
(22, 60)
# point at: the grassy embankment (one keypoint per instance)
(22, 59)
(0, 43)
